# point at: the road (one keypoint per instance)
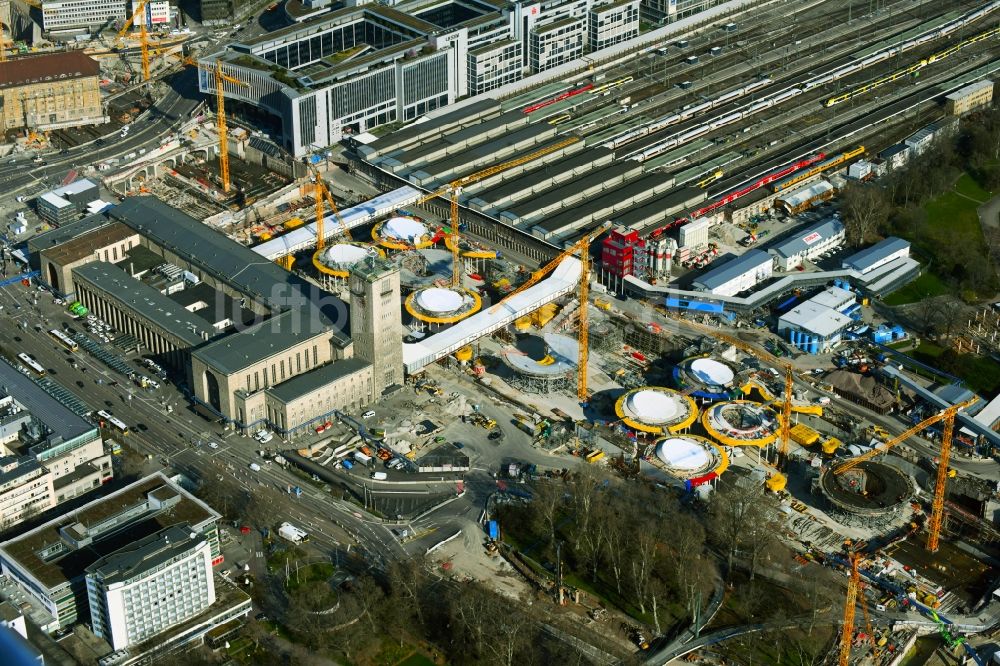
(167, 113)
(179, 440)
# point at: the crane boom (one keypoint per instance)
(926, 423)
(139, 12)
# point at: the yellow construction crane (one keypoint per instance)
(786, 406)
(937, 504)
(940, 484)
(221, 78)
(453, 189)
(847, 632)
(323, 195)
(583, 247)
(138, 13)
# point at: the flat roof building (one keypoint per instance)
(973, 96)
(49, 563)
(150, 585)
(817, 324)
(879, 254)
(48, 453)
(809, 243)
(736, 275)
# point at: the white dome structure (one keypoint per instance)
(437, 300)
(656, 410)
(712, 372)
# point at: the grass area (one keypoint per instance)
(970, 188)
(928, 350)
(309, 574)
(951, 221)
(927, 285)
(416, 659)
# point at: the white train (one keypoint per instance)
(680, 138)
(685, 114)
(881, 56)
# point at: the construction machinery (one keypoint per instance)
(140, 13)
(453, 189)
(583, 247)
(323, 196)
(937, 505)
(221, 78)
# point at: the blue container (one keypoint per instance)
(348, 464)
(814, 346)
(493, 529)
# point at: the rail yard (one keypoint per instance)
(487, 332)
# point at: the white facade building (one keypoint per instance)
(553, 44)
(150, 585)
(70, 15)
(494, 65)
(737, 275)
(809, 243)
(878, 255)
(612, 23)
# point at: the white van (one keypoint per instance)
(254, 467)
(380, 476)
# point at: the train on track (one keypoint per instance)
(685, 135)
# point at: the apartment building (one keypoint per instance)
(48, 453)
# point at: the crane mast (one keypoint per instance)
(940, 484)
(847, 632)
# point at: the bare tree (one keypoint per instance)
(761, 532)
(866, 210)
(730, 513)
(641, 562)
(545, 508)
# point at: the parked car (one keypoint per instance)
(368, 414)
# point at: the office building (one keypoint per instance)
(150, 585)
(809, 243)
(881, 253)
(48, 453)
(736, 275)
(494, 65)
(64, 204)
(553, 44)
(50, 563)
(969, 98)
(60, 16)
(51, 91)
(612, 23)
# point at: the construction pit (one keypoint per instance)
(542, 365)
(741, 423)
(873, 492)
(692, 459)
(706, 377)
(656, 410)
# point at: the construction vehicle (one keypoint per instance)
(221, 78)
(453, 189)
(583, 247)
(937, 505)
